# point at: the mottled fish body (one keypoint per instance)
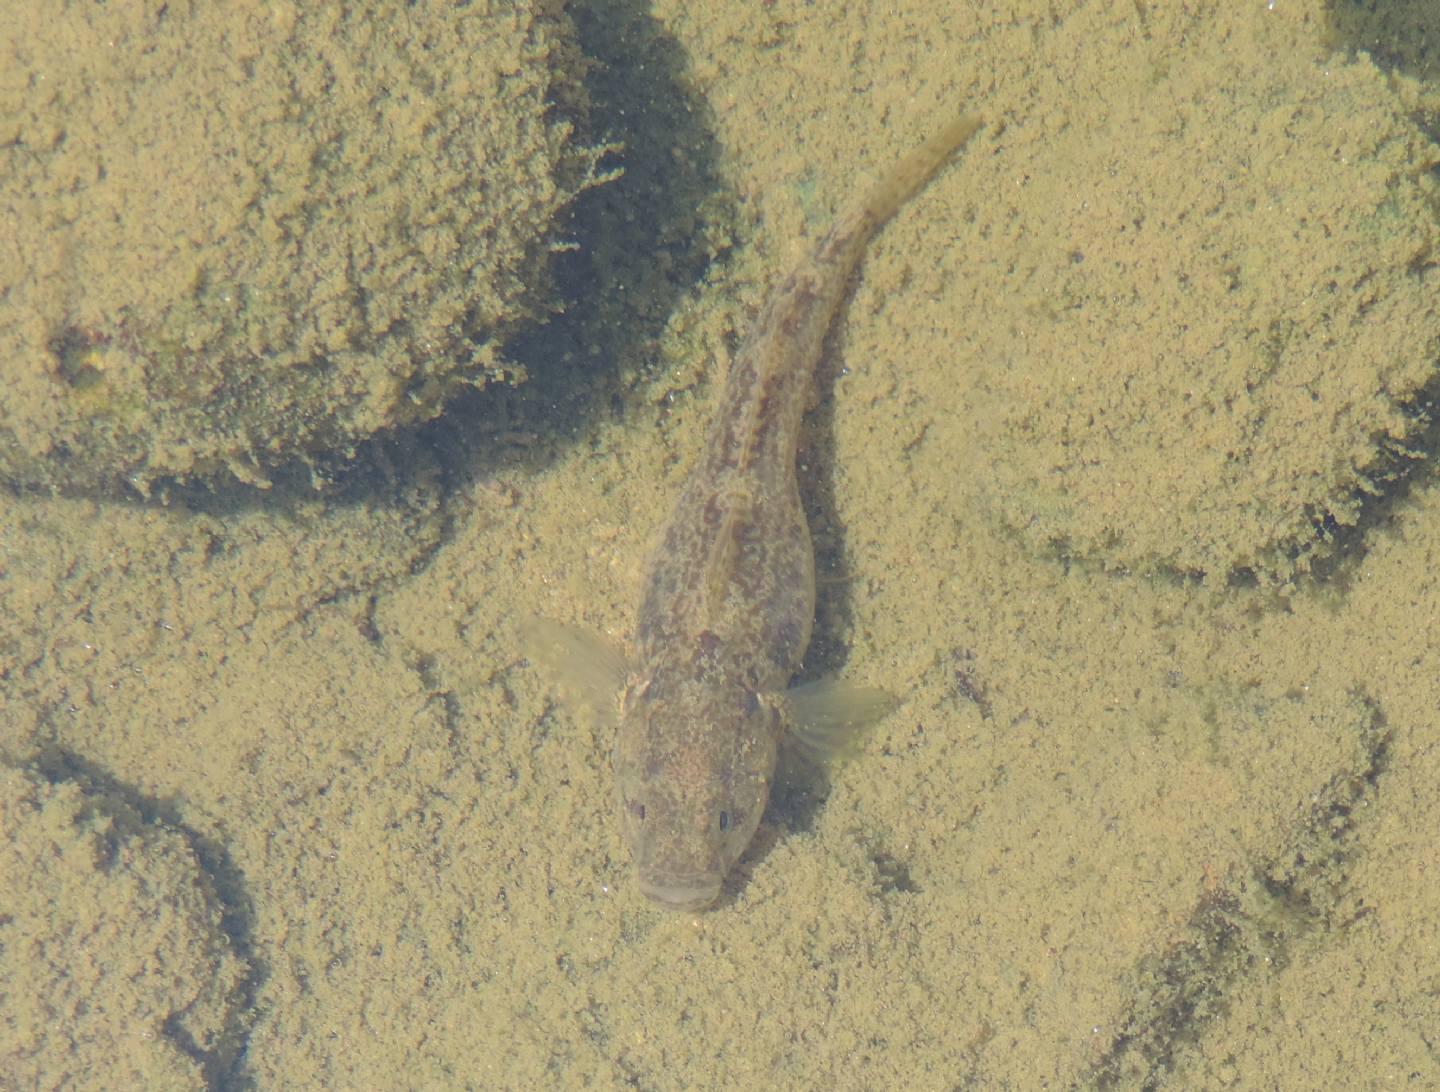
(729, 594)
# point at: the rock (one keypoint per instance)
(240, 235)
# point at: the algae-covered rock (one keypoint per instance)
(115, 970)
(1222, 303)
(235, 234)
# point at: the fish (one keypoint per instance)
(702, 702)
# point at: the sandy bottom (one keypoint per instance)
(287, 808)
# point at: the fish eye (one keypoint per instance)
(724, 821)
(637, 808)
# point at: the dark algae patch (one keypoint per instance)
(1248, 926)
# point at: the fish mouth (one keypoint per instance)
(693, 892)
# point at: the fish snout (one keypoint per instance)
(694, 891)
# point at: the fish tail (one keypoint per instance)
(842, 246)
(917, 166)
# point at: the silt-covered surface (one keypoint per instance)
(1153, 811)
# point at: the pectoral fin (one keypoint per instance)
(827, 719)
(587, 671)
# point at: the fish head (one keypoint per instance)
(693, 774)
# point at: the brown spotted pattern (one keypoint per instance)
(729, 594)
